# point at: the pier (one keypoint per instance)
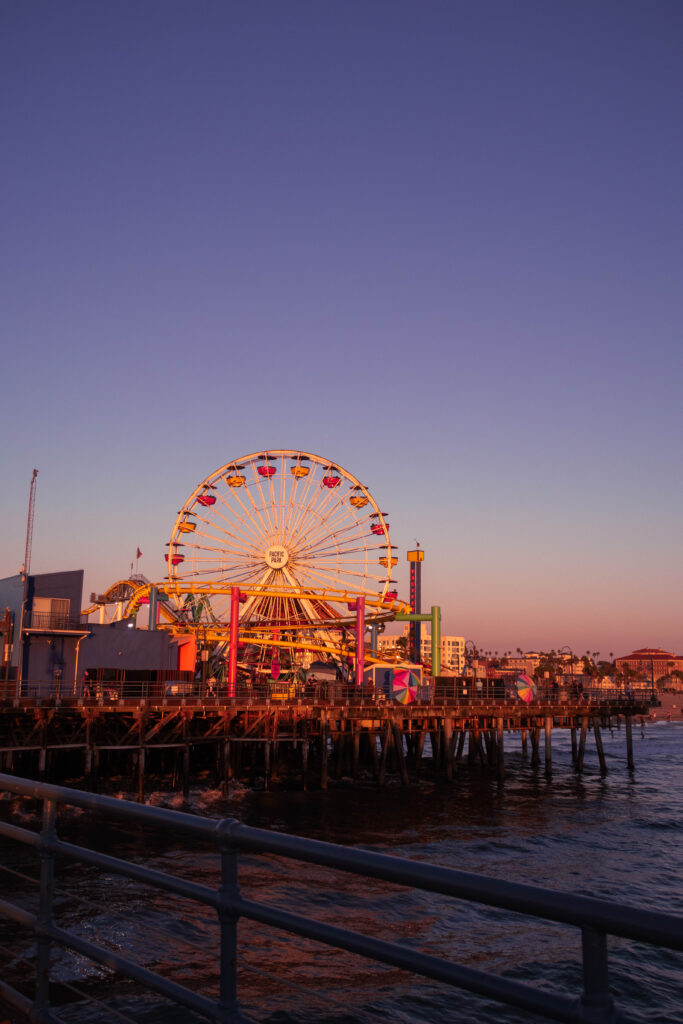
(295, 741)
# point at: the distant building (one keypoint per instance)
(651, 662)
(386, 646)
(524, 663)
(452, 652)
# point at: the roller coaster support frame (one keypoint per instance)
(360, 640)
(234, 636)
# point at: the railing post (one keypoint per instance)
(43, 941)
(596, 1004)
(228, 920)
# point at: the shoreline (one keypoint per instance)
(671, 708)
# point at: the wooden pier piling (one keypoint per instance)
(297, 744)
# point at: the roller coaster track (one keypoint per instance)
(136, 591)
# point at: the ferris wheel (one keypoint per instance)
(296, 531)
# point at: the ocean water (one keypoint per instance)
(618, 837)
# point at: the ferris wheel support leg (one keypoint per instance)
(360, 640)
(234, 634)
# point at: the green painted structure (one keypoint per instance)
(435, 618)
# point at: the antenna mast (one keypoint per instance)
(29, 524)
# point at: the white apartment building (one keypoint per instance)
(452, 652)
(386, 646)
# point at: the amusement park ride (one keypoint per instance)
(274, 559)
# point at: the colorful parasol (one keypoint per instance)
(405, 686)
(526, 688)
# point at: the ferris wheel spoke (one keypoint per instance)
(316, 505)
(226, 567)
(270, 529)
(232, 573)
(339, 539)
(325, 529)
(306, 603)
(270, 483)
(243, 527)
(298, 506)
(230, 552)
(326, 578)
(220, 535)
(298, 496)
(346, 515)
(252, 509)
(212, 525)
(318, 511)
(347, 547)
(303, 510)
(203, 542)
(261, 583)
(283, 496)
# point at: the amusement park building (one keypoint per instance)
(46, 641)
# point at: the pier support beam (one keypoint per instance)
(386, 743)
(304, 763)
(548, 746)
(448, 743)
(419, 750)
(629, 742)
(601, 751)
(398, 743)
(141, 759)
(323, 750)
(582, 743)
(500, 756)
(355, 755)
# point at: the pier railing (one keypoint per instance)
(448, 693)
(595, 919)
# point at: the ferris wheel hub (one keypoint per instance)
(276, 557)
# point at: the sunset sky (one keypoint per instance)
(440, 243)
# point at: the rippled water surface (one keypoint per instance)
(618, 837)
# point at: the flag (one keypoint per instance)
(138, 554)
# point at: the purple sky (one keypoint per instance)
(437, 242)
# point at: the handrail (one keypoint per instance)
(594, 917)
(177, 685)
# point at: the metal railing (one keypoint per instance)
(436, 693)
(56, 621)
(596, 919)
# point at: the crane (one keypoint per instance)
(29, 525)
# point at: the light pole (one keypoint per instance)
(471, 653)
(561, 650)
